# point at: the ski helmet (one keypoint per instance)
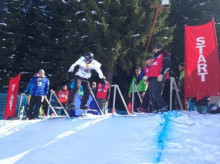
(89, 56)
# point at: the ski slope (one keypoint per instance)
(142, 139)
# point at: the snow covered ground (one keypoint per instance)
(147, 138)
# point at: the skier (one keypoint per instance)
(86, 64)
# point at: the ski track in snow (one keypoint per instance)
(111, 140)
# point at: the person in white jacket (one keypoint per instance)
(86, 64)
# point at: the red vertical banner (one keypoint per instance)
(10, 108)
(202, 67)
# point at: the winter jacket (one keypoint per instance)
(160, 65)
(29, 88)
(41, 87)
(145, 71)
(63, 95)
(181, 80)
(182, 75)
(103, 90)
(84, 70)
(142, 86)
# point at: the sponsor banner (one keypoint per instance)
(10, 108)
(202, 67)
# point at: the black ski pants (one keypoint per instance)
(35, 103)
(136, 101)
(146, 100)
(155, 90)
(86, 90)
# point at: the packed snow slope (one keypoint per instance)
(174, 137)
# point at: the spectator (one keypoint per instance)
(93, 87)
(141, 86)
(30, 86)
(103, 95)
(63, 95)
(86, 65)
(157, 75)
(181, 84)
(144, 107)
(39, 91)
(28, 90)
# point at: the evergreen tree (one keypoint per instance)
(54, 34)
(11, 41)
(117, 33)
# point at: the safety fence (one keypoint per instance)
(22, 101)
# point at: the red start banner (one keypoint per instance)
(10, 108)
(202, 64)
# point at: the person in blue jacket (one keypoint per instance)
(40, 89)
(30, 86)
(28, 90)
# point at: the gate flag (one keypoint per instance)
(202, 64)
(10, 108)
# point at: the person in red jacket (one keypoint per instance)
(145, 105)
(157, 75)
(103, 94)
(63, 95)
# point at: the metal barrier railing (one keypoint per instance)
(62, 107)
(52, 93)
(133, 90)
(174, 86)
(21, 107)
(116, 88)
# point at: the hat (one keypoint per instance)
(149, 58)
(158, 46)
(41, 71)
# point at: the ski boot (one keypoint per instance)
(84, 107)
